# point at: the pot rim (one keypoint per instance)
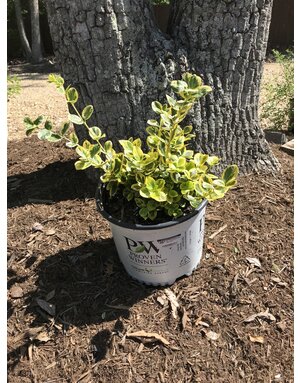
(136, 226)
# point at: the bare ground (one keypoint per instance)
(71, 305)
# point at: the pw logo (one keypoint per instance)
(140, 246)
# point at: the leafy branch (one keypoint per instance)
(168, 177)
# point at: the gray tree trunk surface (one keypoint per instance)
(227, 42)
(23, 38)
(119, 60)
(36, 43)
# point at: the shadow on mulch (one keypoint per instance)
(49, 185)
(13, 278)
(85, 285)
(10, 309)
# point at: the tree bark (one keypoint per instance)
(23, 38)
(36, 43)
(113, 52)
(117, 58)
(229, 52)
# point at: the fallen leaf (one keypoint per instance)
(29, 333)
(275, 268)
(210, 217)
(257, 339)
(254, 261)
(129, 358)
(278, 281)
(184, 318)
(123, 340)
(217, 232)
(173, 301)
(161, 377)
(251, 318)
(175, 348)
(281, 325)
(241, 373)
(211, 247)
(267, 315)
(144, 334)
(219, 267)
(140, 348)
(50, 295)
(263, 314)
(234, 286)
(200, 322)
(212, 335)
(37, 227)
(33, 331)
(253, 238)
(275, 279)
(16, 292)
(31, 238)
(247, 236)
(50, 232)
(48, 307)
(50, 365)
(30, 352)
(162, 299)
(42, 337)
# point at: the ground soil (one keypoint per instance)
(71, 304)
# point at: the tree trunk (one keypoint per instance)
(24, 41)
(36, 44)
(230, 53)
(113, 52)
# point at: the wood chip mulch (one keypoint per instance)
(75, 316)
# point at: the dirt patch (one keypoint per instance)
(37, 97)
(71, 304)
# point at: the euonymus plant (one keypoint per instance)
(167, 177)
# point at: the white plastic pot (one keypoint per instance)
(159, 254)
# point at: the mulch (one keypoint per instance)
(72, 308)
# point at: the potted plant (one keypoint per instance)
(154, 196)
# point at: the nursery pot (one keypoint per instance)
(158, 254)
